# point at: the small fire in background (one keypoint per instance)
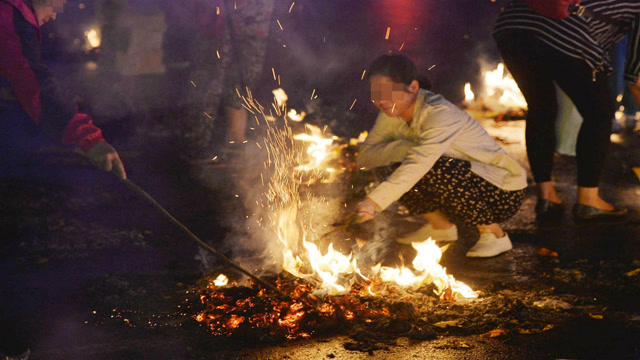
(500, 95)
(93, 38)
(322, 281)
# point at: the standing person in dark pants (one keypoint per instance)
(437, 161)
(573, 53)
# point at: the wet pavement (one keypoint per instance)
(73, 229)
(77, 241)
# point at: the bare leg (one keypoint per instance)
(492, 228)
(237, 125)
(589, 196)
(546, 191)
(437, 219)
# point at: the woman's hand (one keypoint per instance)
(105, 157)
(366, 209)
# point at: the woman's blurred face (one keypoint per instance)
(48, 9)
(392, 98)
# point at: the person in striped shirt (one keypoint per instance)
(572, 52)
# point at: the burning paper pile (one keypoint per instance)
(501, 93)
(317, 270)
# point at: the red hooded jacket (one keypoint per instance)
(23, 71)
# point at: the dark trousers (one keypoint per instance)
(536, 66)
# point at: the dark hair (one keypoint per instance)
(398, 68)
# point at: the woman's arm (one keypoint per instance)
(378, 149)
(444, 126)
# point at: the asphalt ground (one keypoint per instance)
(76, 240)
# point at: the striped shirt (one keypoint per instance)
(586, 38)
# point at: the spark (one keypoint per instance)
(291, 8)
(393, 108)
(279, 24)
(386, 37)
(273, 70)
(248, 109)
(192, 83)
(209, 116)
(218, 53)
(354, 102)
(401, 46)
(432, 66)
(313, 93)
(363, 72)
(217, 10)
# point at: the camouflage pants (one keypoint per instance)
(222, 68)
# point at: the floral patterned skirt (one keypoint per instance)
(451, 187)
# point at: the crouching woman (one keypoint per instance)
(438, 162)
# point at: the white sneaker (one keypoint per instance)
(427, 231)
(489, 245)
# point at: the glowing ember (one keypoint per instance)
(93, 37)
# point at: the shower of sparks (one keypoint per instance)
(279, 24)
(291, 8)
(386, 37)
(293, 160)
(363, 72)
(354, 102)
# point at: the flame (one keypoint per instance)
(93, 37)
(295, 116)
(468, 94)
(502, 91)
(427, 270)
(360, 139)
(330, 271)
(320, 151)
(221, 280)
(280, 96)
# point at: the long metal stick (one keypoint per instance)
(200, 243)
